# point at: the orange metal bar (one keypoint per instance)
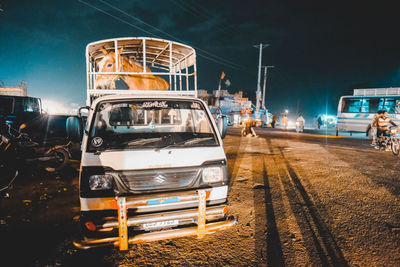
(122, 223)
(201, 220)
(159, 235)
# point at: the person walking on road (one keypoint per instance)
(319, 121)
(284, 122)
(300, 122)
(273, 121)
(315, 122)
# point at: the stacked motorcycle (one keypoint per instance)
(18, 152)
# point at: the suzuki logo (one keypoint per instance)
(160, 178)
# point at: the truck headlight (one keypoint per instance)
(101, 182)
(212, 175)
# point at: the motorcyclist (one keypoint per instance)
(383, 125)
(300, 122)
(374, 126)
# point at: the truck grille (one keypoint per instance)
(159, 179)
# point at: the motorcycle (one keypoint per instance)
(390, 140)
(299, 127)
(17, 151)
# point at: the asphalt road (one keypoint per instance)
(300, 199)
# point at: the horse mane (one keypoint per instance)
(133, 80)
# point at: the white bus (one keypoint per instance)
(355, 113)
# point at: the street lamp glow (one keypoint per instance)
(53, 107)
(286, 111)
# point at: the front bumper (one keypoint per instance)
(156, 225)
(157, 235)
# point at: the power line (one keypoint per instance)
(205, 14)
(115, 17)
(185, 6)
(154, 35)
(235, 66)
(150, 33)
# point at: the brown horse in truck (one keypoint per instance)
(133, 81)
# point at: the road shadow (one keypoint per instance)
(234, 159)
(267, 239)
(381, 167)
(318, 239)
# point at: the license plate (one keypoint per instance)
(155, 225)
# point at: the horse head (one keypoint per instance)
(107, 64)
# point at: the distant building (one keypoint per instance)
(205, 96)
(224, 100)
(15, 91)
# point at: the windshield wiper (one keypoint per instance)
(187, 142)
(196, 140)
(144, 141)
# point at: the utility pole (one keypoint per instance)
(265, 82)
(258, 95)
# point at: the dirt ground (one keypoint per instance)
(297, 202)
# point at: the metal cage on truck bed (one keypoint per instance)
(172, 61)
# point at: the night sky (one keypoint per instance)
(320, 49)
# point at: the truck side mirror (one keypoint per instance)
(74, 129)
(222, 123)
(83, 108)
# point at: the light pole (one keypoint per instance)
(261, 46)
(265, 82)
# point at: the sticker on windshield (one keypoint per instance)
(155, 104)
(152, 124)
(97, 141)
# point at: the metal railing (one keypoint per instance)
(173, 61)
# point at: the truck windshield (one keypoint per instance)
(150, 124)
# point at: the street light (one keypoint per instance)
(286, 111)
(258, 95)
(265, 82)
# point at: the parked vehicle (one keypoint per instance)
(153, 165)
(19, 109)
(19, 153)
(356, 112)
(8, 170)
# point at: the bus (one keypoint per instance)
(355, 113)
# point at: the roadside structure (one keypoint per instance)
(21, 90)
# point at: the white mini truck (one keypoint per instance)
(153, 165)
